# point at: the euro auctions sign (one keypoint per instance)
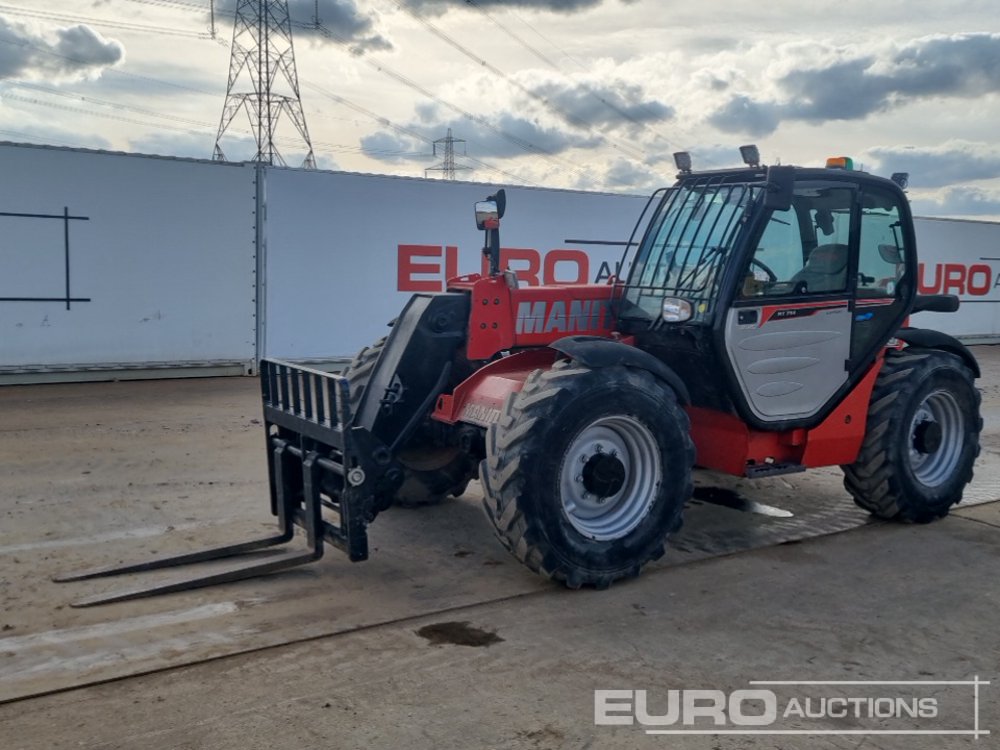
(426, 268)
(973, 280)
(344, 252)
(801, 707)
(961, 258)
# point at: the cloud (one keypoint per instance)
(601, 102)
(191, 145)
(743, 115)
(819, 82)
(500, 135)
(344, 19)
(15, 128)
(340, 21)
(71, 52)
(936, 166)
(393, 148)
(959, 201)
(630, 175)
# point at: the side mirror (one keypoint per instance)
(487, 215)
(490, 211)
(780, 188)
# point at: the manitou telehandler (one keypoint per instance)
(762, 329)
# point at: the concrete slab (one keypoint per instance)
(879, 603)
(989, 513)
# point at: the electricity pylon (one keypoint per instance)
(263, 60)
(447, 167)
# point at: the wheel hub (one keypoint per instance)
(603, 475)
(937, 438)
(927, 437)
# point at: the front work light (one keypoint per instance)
(676, 310)
(901, 178)
(750, 155)
(840, 162)
(683, 161)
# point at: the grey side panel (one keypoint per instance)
(788, 368)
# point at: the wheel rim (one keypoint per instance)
(609, 477)
(937, 436)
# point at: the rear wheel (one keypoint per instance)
(587, 472)
(922, 437)
(430, 474)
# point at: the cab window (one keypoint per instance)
(882, 255)
(804, 250)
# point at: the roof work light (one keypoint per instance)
(683, 161)
(750, 155)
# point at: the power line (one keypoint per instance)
(126, 25)
(204, 127)
(482, 121)
(112, 71)
(524, 144)
(545, 102)
(555, 66)
(407, 131)
(335, 148)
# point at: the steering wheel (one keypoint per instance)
(771, 275)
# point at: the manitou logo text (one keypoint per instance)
(562, 317)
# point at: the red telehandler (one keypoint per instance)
(762, 330)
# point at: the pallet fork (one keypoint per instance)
(317, 458)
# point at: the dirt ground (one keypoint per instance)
(441, 639)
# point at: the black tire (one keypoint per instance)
(429, 476)
(541, 430)
(921, 439)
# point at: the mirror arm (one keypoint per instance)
(492, 250)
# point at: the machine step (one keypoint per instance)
(756, 471)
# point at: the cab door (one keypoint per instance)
(884, 283)
(788, 332)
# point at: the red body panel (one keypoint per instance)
(503, 318)
(478, 399)
(530, 318)
(725, 443)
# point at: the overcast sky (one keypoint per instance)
(588, 94)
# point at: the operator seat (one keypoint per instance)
(825, 270)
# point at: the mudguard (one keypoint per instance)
(594, 351)
(929, 339)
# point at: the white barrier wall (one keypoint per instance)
(122, 261)
(344, 252)
(125, 261)
(963, 258)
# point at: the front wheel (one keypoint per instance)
(587, 472)
(921, 439)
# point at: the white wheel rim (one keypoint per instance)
(936, 438)
(604, 501)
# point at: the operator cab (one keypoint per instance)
(770, 290)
